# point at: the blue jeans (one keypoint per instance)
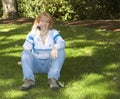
(32, 64)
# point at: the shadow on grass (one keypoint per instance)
(74, 67)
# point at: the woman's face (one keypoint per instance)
(44, 23)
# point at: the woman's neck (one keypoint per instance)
(43, 33)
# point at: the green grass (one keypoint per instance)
(91, 69)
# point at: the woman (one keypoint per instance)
(43, 52)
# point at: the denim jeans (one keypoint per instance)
(31, 64)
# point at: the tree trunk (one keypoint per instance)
(9, 9)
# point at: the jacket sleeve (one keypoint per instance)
(29, 42)
(59, 41)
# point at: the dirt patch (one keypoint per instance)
(112, 25)
(16, 21)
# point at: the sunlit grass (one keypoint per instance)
(91, 69)
(86, 51)
(13, 94)
(90, 86)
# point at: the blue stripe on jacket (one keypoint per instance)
(37, 51)
(56, 37)
(30, 38)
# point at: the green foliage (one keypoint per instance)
(96, 9)
(60, 9)
(67, 10)
(29, 8)
(71, 9)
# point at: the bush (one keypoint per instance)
(60, 9)
(71, 9)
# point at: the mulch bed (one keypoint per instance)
(16, 21)
(112, 25)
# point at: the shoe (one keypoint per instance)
(53, 84)
(28, 83)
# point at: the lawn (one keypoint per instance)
(91, 69)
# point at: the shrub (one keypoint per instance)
(60, 9)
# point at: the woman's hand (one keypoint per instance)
(35, 26)
(53, 53)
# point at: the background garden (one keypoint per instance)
(62, 10)
(92, 66)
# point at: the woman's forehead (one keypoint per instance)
(45, 18)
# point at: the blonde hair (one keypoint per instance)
(51, 22)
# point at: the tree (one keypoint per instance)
(9, 9)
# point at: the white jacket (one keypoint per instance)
(33, 43)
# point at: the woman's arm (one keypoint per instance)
(59, 41)
(29, 42)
